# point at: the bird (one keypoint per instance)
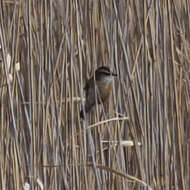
(98, 86)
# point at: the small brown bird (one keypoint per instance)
(100, 86)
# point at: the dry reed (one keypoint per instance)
(54, 46)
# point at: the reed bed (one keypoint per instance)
(141, 140)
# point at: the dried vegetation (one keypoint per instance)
(49, 49)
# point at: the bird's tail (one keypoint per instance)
(82, 114)
(84, 111)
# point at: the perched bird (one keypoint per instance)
(98, 86)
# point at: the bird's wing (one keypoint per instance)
(86, 88)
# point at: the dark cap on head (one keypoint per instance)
(104, 70)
